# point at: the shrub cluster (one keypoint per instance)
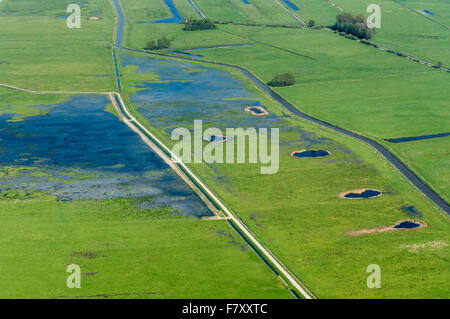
(196, 25)
(356, 26)
(282, 79)
(162, 43)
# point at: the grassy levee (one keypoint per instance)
(351, 85)
(296, 212)
(38, 51)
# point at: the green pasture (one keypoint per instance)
(406, 30)
(38, 51)
(125, 252)
(258, 11)
(430, 159)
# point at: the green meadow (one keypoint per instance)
(39, 52)
(125, 252)
(406, 30)
(258, 11)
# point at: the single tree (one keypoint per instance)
(282, 79)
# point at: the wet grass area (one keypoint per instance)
(181, 92)
(77, 151)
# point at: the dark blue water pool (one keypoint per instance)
(291, 5)
(256, 110)
(366, 194)
(311, 154)
(246, 1)
(79, 151)
(428, 12)
(417, 138)
(407, 225)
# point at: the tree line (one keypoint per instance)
(162, 43)
(196, 25)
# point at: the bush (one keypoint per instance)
(162, 43)
(196, 25)
(311, 23)
(282, 79)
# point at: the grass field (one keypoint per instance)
(125, 252)
(430, 159)
(38, 51)
(406, 30)
(258, 11)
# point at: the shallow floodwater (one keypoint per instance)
(185, 92)
(366, 194)
(79, 151)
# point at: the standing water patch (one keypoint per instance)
(309, 153)
(176, 16)
(407, 225)
(256, 111)
(291, 5)
(360, 194)
(412, 211)
(216, 138)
